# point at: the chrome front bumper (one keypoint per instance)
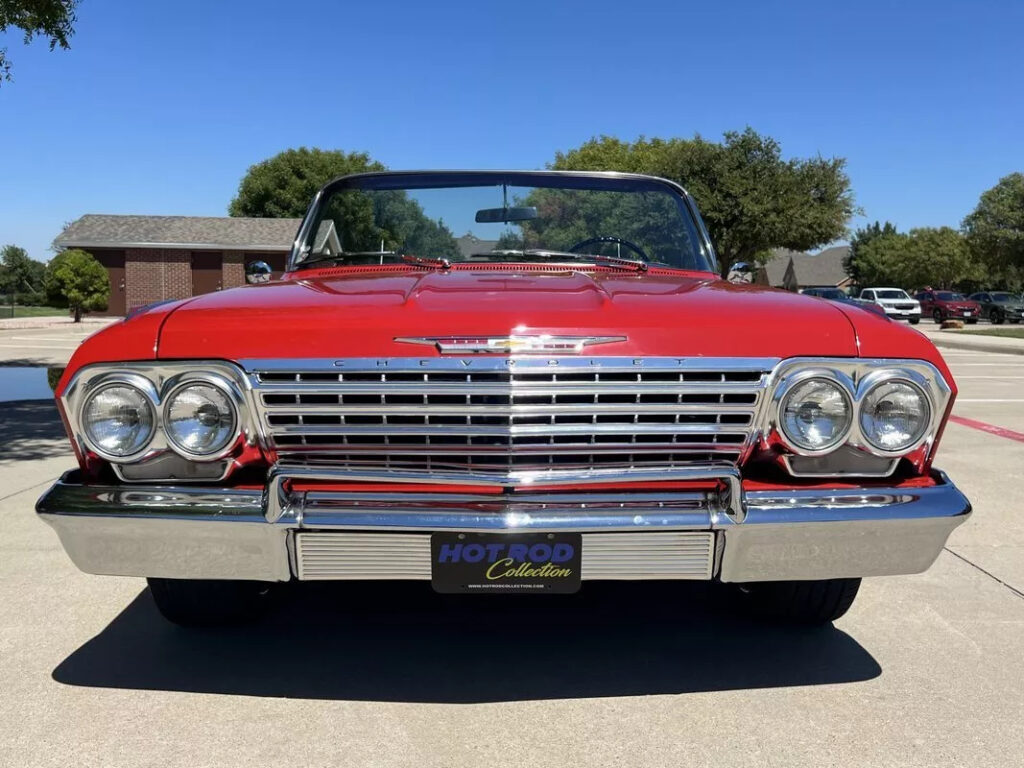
(277, 534)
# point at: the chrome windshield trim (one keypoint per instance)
(483, 177)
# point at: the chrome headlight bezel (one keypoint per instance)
(879, 379)
(219, 383)
(159, 380)
(149, 395)
(785, 391)
(859, 377)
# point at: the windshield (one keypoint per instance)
(503, 217)
(830, 293)
(1002, 298)
(892, 293)
(950, 296)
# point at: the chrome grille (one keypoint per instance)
(496, 414)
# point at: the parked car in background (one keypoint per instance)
(836, 294)
(1000, 306)
(947, 305)
(582, 399)
(896, 303)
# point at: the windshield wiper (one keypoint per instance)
(343, 255)
(435, 262)
(597, 258)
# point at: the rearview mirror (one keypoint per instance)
(505, 215)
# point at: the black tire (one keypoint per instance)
(973, 321)
(915, 320)
(997, 318)
(800, 602)
(937, 315)
(1014, 322)
(210, 603)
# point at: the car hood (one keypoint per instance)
(360, 313)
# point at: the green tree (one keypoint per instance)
(939, 257)
(283, 186)
(882, 260)
(928, 256)
(860, 238)
(54, 19)
(752, 199)
(75, 279)
(19, 274)
(995, 229)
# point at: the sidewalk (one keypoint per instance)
(970, 341)
(28, 323)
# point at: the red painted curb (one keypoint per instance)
(990, 428)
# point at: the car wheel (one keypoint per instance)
(997, 318)
(210, 603)
(973, 321)
(937, 315)
(799, 602)
(1015, 321)
(914, 320)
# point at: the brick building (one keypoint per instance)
(153, 258)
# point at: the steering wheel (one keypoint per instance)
(612, 239)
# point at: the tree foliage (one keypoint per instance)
(751, 199)
(928, 256)
(19, 274)
(75, 279)
(860, 238)
(283, 186)
(995, 229)
(53, 19)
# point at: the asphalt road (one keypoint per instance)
(925, 670)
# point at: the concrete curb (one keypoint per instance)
(38, 323)
(977, 346)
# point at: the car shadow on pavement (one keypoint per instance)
(30, 430)
(400, 642)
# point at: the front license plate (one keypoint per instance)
(499, 562)
(967, 314)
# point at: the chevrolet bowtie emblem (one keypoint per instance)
(540, 344)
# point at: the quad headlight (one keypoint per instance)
(200, 419)
(816, 414)
(894, 415)
(119, 420)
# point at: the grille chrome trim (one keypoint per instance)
(497, 414)
(341, 555)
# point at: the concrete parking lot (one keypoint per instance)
(925, 670)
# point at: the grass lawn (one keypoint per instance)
(5, 311)
(1010, 333)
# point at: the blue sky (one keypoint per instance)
(160, 107)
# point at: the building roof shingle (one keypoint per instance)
(193, 232)
(775, 268)
(825, 268)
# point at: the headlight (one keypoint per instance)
(816, 415)
(894, 415)
(199, 419)
(118, 420)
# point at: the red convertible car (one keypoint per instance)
(571, 395)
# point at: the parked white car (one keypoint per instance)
(896, 303)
